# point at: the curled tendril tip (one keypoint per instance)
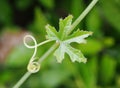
(33, 65)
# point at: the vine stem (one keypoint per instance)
(27, 74)
(77, 21)
(22, 80)
(84, 13)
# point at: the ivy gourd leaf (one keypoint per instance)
(51, 33)
(78, 36)
(75, 54)
(59, 53)
(65, 40)
(64, 26)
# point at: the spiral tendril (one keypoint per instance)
(33, 65)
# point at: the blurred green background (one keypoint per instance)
(21, 17)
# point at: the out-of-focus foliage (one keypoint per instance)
(47, 3)
(39, 22)
(102, 49)
(22, 4)
(5, 13)
(113, 13)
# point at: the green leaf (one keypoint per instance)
(59, 53)
(75, 55)
(52, 33)
(78, 36)
(64, 26)
(65, 40)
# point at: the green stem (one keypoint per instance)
(81, 17)
(48, 52)
(22, 80)
(27, 74)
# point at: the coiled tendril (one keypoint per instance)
(33, 65)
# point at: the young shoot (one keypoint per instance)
(64, 37)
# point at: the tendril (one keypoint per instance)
(33, 65)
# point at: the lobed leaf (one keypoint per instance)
(59, 53)
(51, 33)
(75, 54)
(64, 26)
(65, 40)
(78, 36)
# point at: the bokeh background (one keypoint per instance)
(21, 17)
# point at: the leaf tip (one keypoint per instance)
(71, 15)
(47, 26)
(90, 33)
(84, 60)
(59, 61)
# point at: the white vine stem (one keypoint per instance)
(84, 13)
(77, 21)
(21, 81)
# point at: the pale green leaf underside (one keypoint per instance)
(77, 39)
(65, 40)
(75, 55)
(59, 53)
